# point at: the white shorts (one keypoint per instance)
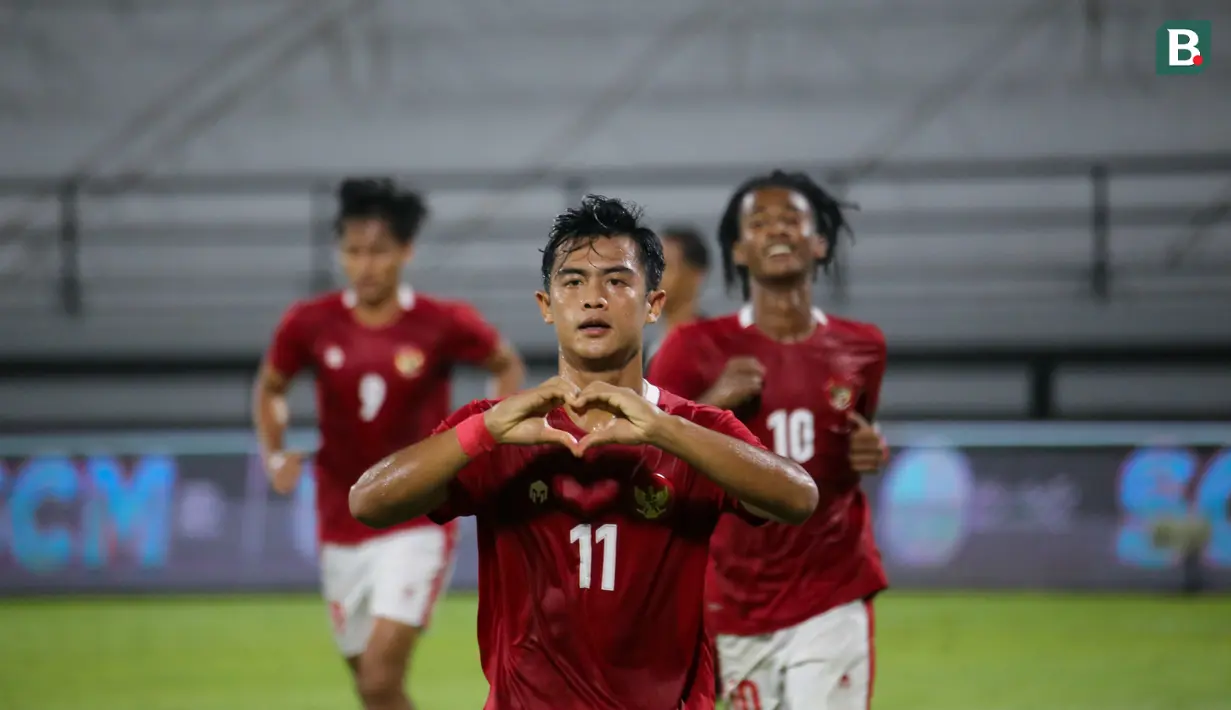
(824, 663)
(397, 577)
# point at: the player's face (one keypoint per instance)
(599, 303)
(372, 259)
(778, 238)
(681, 280)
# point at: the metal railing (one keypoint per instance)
(70, 191)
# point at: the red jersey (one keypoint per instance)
(592, 571)
(377, 389)
(775, 576)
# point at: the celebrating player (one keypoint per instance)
(595, 494)
(382, 356)
(790, 605)
(687, 262)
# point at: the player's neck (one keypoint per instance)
(783, 314)
(377, 315)
(630, 375)
(683, 314)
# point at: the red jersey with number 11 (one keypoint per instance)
(377, 389)
(772, 577)
(592, 570)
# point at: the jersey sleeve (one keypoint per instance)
(291, 350)
(476, 482)
(677, 369)
(724, 422)
(473, 340)
(874, 375)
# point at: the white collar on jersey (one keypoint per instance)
(406, 297)
(651, 393)
(746, 318)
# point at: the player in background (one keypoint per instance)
(687, 260)
(791, 605)
(595, 494)
(382, 357)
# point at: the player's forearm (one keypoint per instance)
(508, 372)
(269, 417)
(410, 483)
(721, 397)
(509, 380)
(758, 478)
(714, 399)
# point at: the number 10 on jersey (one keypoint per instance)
(794, 434)
(587, 540)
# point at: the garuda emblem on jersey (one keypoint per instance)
(408, 361)
(653, 500)
(841, 396)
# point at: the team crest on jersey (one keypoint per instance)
(408, 361)
(653, 500)
(334, 357)
(538, 492)
(841, 396)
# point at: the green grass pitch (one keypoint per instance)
(935, 652)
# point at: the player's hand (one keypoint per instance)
(740, 381)
(868, 450)
(522, 418)
(633, 420)
(284, 469)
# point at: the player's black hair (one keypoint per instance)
(696, 253)
(826, 210)
(599, 217)
(401, 208)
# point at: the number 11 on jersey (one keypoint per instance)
(586, 539)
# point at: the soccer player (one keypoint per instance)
(687, 260)
(382, 356)
(687, 264)
(790, 605)
(595, 494)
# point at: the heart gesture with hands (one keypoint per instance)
(521, 420)
(634, 418)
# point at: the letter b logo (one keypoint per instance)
(1182, 47)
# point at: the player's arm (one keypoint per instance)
(676, 367)
(679, 367)
(875, 375)
(417, 480)
(768, 485)
(413, 481)
(868, 449)
(477, 342)
(507, 369)
(270, 414)
(724, 450)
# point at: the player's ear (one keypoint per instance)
(544, 300)
(656, 300)
(820, 247)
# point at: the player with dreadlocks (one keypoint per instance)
(791, 605)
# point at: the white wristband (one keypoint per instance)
(275, 460)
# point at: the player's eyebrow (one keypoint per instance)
(578, 271)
